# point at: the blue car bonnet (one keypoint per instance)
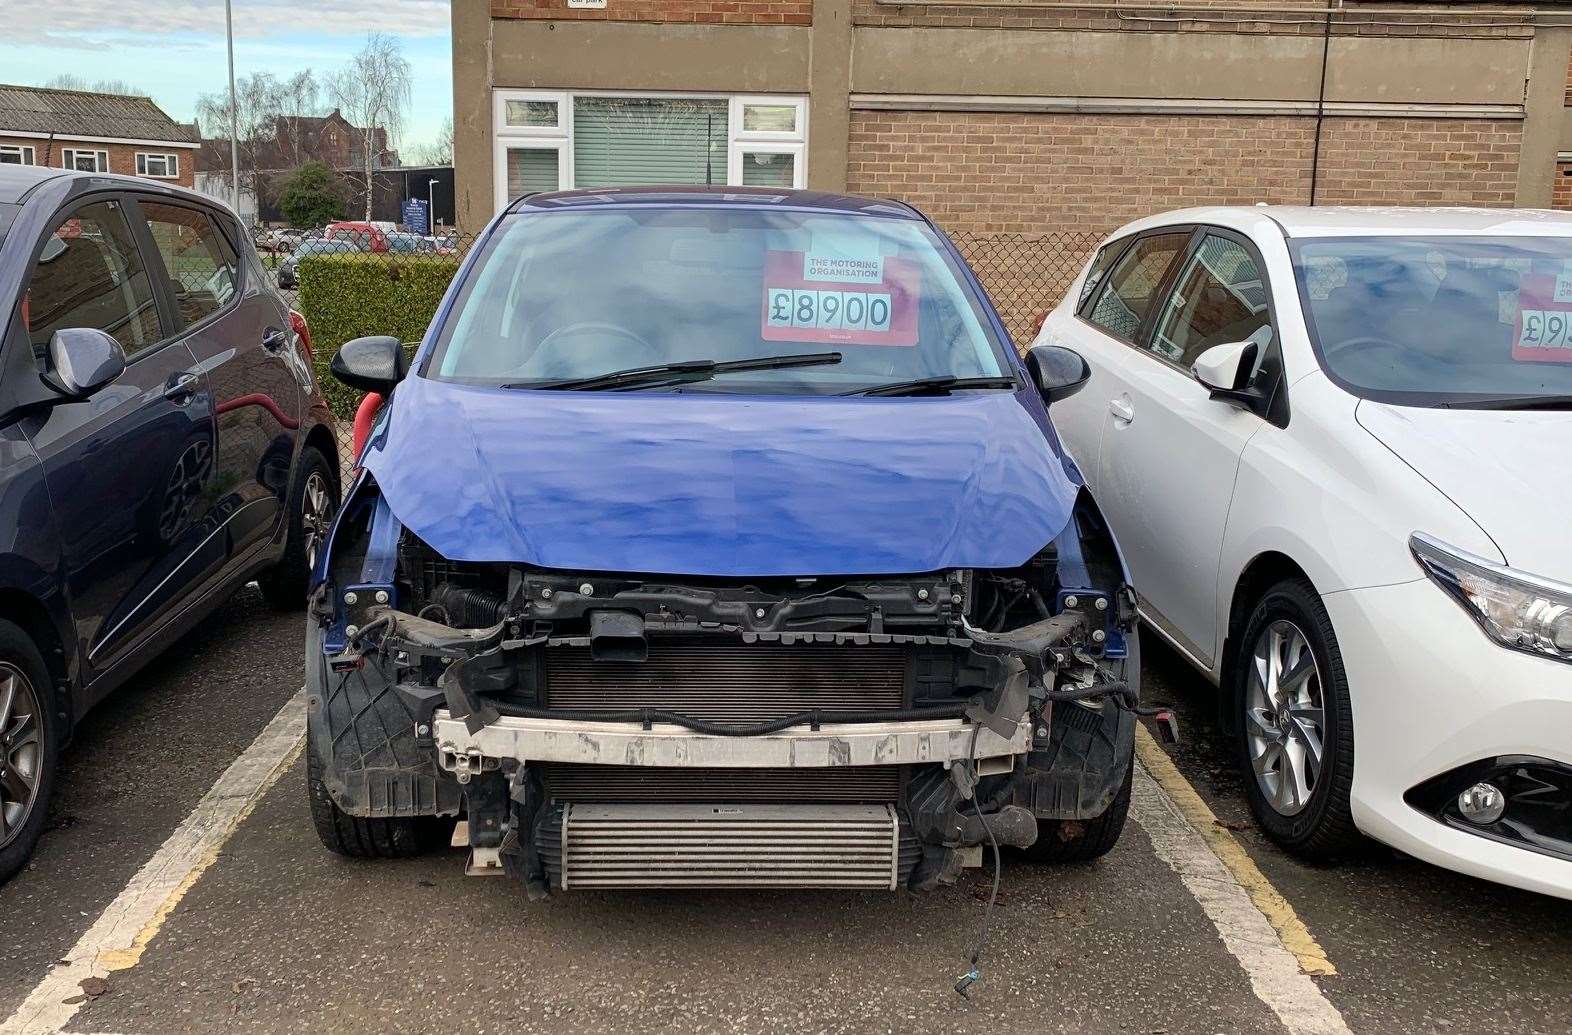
(722, 485)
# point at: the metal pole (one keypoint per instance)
(1320, 105)
(234, 108)
(431, 207)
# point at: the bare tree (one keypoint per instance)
(373, 92)
(70, 81)
(440, 150)
(297, 96)
(260, 100)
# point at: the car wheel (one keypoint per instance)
(28, 747)
(1295, 730)
(313, 500)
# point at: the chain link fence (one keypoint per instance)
(1024, 275)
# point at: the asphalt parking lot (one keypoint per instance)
(258, 929)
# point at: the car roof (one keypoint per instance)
(17, 180)
(711, 197)
(1300, 221)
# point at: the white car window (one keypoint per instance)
(1220, 298)
(1132, 286)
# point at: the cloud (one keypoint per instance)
(84, 24)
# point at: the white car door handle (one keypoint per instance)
(1122, 410)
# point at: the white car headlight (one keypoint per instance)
(1516, 609)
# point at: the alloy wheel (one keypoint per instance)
(21, 751)
(316, 515)
(1285, 717)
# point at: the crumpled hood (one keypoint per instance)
(1506, 469)
(696, 484)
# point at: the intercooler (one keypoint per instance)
(717, 846)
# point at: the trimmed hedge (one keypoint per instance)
(349, 296)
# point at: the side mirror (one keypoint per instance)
(82, 360)
(1058, 371)
(1225, 369)
(374, 364)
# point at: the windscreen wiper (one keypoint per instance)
(935, 385)
(683, 372)
(1512, 402)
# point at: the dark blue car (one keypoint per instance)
(162, 442)
(718, 538)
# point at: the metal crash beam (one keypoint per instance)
(617, 743)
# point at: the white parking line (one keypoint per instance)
(122, 931)
(1275, 973)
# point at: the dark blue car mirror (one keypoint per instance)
(1059, 372)
(373, 364)
(82, 360)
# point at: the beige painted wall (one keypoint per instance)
(833, 59)
(649, 56)
(1186, 65)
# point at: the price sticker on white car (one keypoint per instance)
(1543, 333)
(810, 299)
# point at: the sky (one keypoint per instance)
(173, 50)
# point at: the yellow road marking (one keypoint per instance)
(128, 957)
(1296, 938)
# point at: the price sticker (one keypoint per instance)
(1543, 331)
(852, 311)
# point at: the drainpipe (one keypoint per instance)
(1320, 105)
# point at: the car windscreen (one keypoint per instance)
(568, 295)
(1440, 321)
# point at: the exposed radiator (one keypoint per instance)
(712, 846)
(728, 681)
(874, 784)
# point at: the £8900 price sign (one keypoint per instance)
(873, 303)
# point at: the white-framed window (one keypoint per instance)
(18, 154)
(158, 165)
(558, 140)
(84, 160)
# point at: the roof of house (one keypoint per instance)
(76, 113)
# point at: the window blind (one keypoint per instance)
(531, 170)
(626, 141)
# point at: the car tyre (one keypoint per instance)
(313, 500)
(1295, 736)
(29, 747)
(358, 838)
(1082, 840)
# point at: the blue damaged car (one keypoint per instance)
(712, 539)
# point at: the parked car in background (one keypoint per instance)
(1333, 444)
(400, 242)
(289, 269)
(367, 237)
(278, 240)
(752, 523)
(166, 443)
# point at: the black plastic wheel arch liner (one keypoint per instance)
(1078, 773)
(365, 731)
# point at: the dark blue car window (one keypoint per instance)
(576, 294)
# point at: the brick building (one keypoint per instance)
(1018, 116)
(95, 132)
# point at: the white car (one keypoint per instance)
(1334, 445)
